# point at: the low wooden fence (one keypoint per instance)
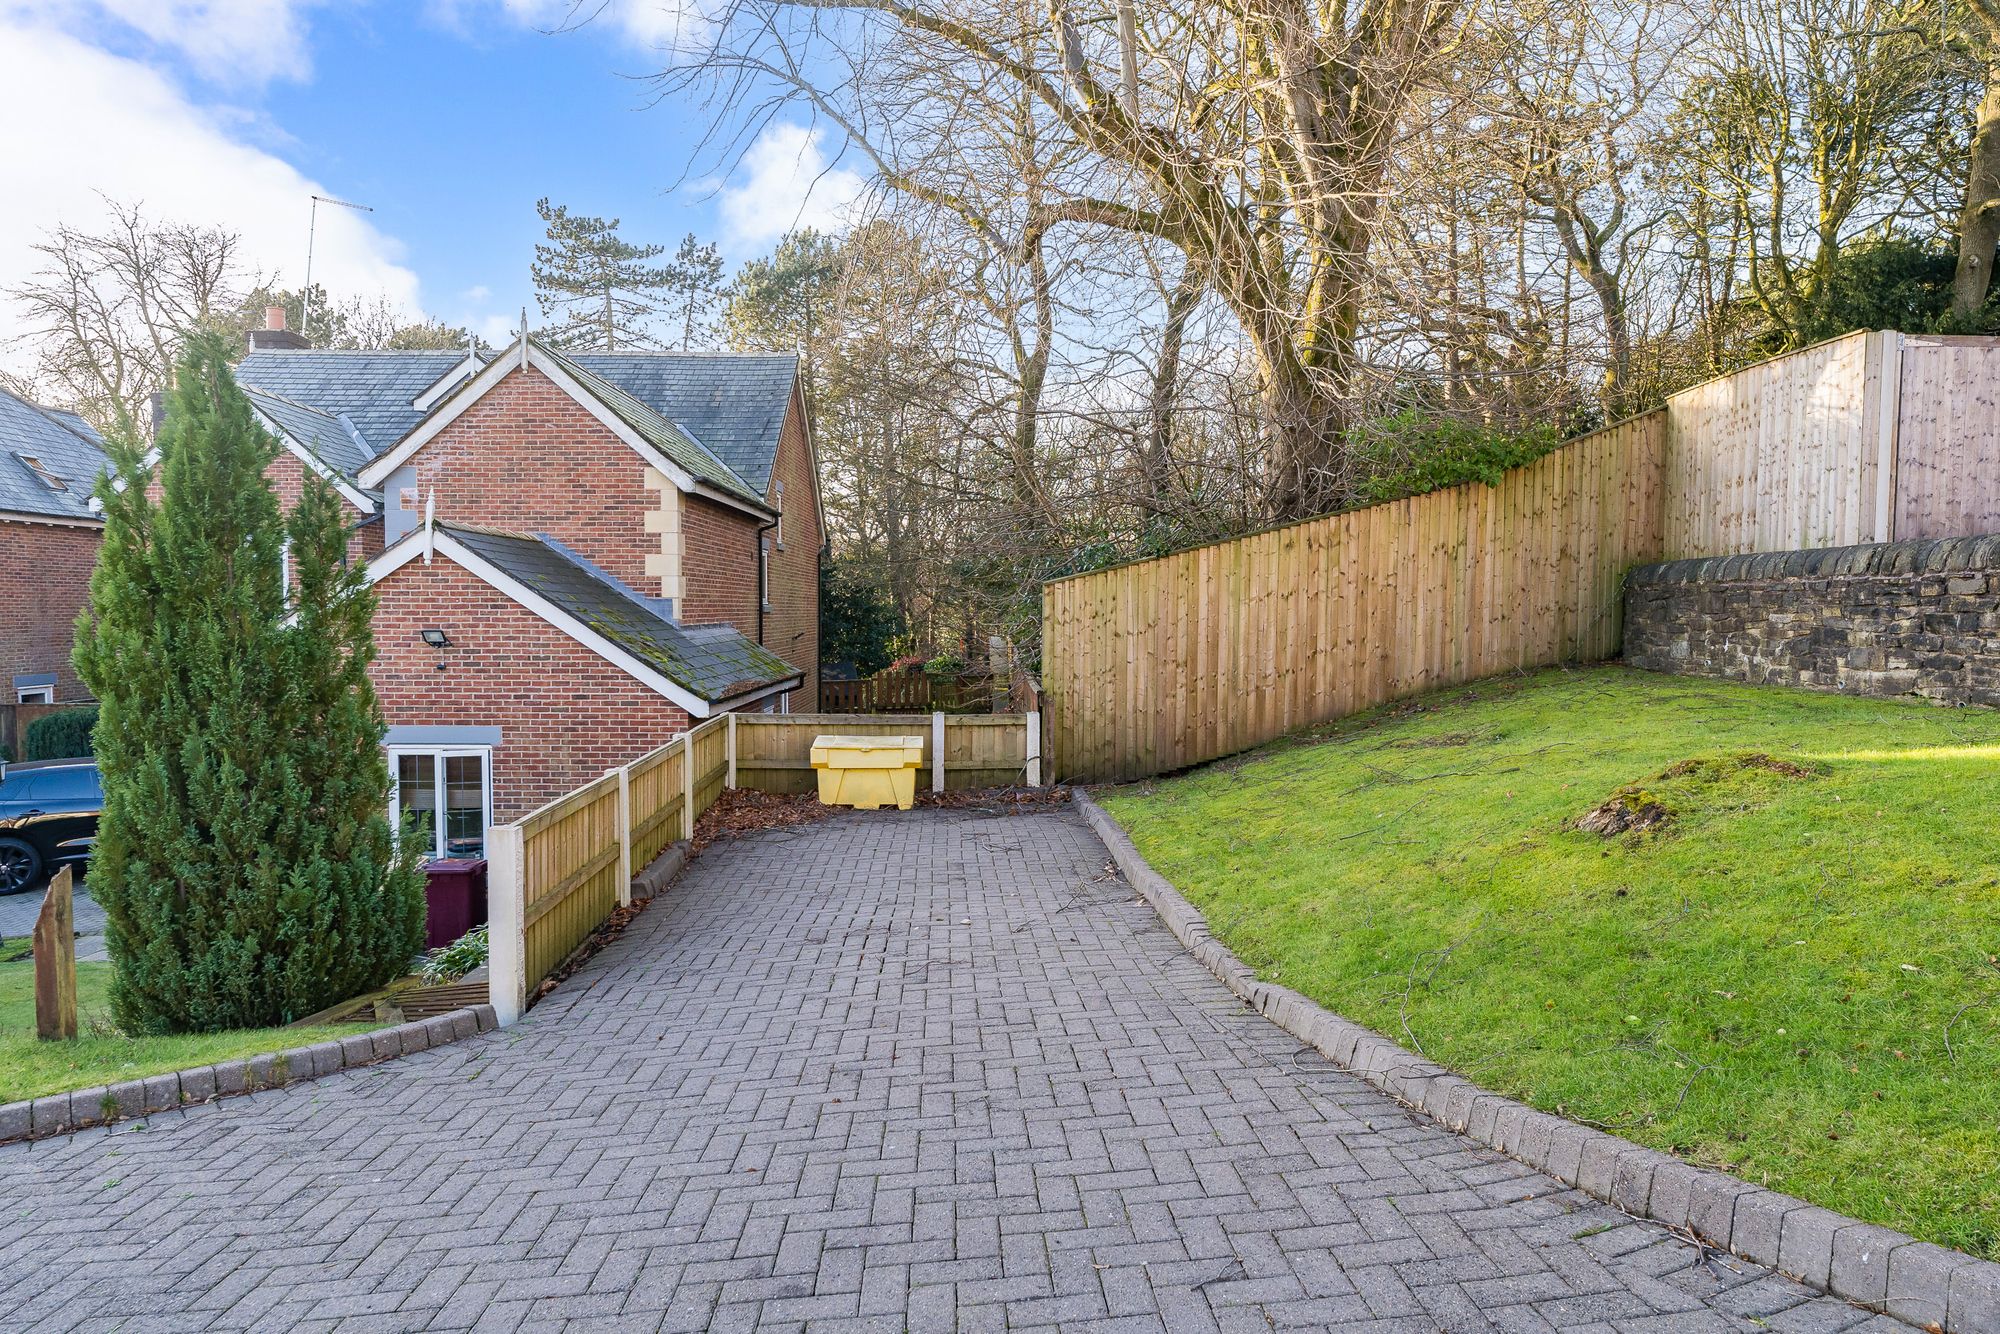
(910, 692)
(980, 750)
(555, 875)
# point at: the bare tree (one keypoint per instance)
(108, 311)
(1979, 218)
(1252, 136)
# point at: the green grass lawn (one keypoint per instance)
(102, 1055)
(1794, 977)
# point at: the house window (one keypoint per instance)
(34, 694)
(448, 793)
(406, 500)
(42, 473)
(778, 498)
(764, 574)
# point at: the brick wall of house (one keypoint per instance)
(287, 476)
(565, 714)
(529, 458)
(47, 583)
(791, 628)
(1893, 618)
(719, 551)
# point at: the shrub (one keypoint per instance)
(1413, 453)
(59, 736)
(448, 963)
(244, 858)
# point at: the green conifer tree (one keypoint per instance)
(244, 859)
(602, 290)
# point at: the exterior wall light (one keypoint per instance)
(436, 638)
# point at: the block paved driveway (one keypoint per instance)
(917, 1072)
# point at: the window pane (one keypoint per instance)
(465, 806)
(416, 795)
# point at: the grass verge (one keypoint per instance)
(101, 1055)
(1789, 967)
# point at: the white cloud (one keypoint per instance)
(87, 124)
(784, 183)
(477, 294)
(493, 330)
(652, 25)
(225, 41)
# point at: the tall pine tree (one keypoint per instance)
(244, 859)
(603, 291)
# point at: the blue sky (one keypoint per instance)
(450, 117)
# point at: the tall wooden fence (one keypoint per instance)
(1165, 663)
(555, 875)
(1871, 437)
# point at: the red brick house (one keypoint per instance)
(49, 534)
(576, 554)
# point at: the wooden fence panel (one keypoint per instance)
(709, 753)
(570, 860)
(1798, 451)
(1164, 663)
(774, 750)
(1948, 437)
(656, 802)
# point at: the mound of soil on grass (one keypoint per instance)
(1639, 808)
(1625, 813)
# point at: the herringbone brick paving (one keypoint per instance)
(924, 1071)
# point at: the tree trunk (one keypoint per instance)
(1166, 390)
(1306, 418)
(1979, 223)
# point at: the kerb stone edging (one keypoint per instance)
(62, 1113)
(1926, 1285)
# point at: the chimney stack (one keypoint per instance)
(274, 334)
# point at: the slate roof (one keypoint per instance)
(63, 444)
(327, 436)
(716, 414)
(665, 436)
(373, 390)
(734, 403)
(716, 662)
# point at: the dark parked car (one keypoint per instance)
(48, 818)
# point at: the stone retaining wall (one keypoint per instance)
(1890, 618)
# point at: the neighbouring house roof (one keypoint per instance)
(374, 390)
(714, 663)
(66, 454)
(734, 403)
(326, 436)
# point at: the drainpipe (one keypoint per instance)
(762, 529)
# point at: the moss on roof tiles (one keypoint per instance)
(716, 663)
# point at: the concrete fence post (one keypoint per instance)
(687, 782)
(624, 773)
(730, 782)
(506, 923)
(937, 751)
(1034, 717)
